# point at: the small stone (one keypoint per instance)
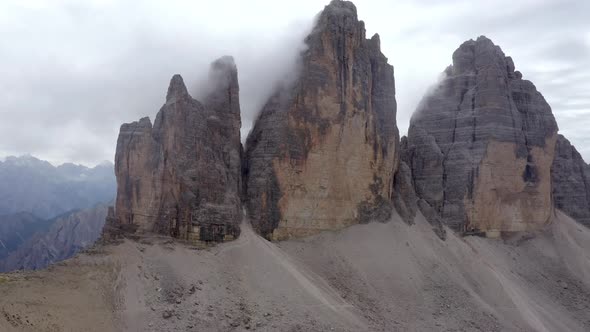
(167, 314)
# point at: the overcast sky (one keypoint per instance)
(72, 71)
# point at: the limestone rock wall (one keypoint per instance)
(481, 145)
(324, 150)
(404, 194)
(571, 181)
(182, 176)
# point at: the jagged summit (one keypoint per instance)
(323, 152)
(473, 55)
(176, 89)
(225, 63)
(481, 145)
(181, 177)
(223, 90)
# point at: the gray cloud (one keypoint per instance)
(74, 71)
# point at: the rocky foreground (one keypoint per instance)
(375, 277)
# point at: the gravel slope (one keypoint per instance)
(374, 277)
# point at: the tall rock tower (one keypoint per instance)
(481, 145)
(182, 177)
(324, 150)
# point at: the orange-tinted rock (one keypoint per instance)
(323, 152)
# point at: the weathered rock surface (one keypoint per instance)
(571, 181)
(404, 194)
(182, 177)
(481, 145)
(324, 150)
(405, 198)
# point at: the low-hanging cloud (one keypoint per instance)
(70, 87)
(73, 71)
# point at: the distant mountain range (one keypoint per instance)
(28, 184)
(50, 241)
(49, 213)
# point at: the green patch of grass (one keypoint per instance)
(4, 279)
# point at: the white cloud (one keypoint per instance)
(74, 71)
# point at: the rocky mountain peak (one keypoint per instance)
(324, 157)
(337, 10)
(176, 89)
(337, 27)
(181, 177)
(480, 146)
(223, 93)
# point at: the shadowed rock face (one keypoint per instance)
(481, 145)
(571, 181)
(323, 152)
(182, 177)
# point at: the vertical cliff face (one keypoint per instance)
(182, 177)
(323, 152)
(571, 181)
(481, 145)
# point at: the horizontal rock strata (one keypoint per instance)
(571, 181)
(481, 145)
